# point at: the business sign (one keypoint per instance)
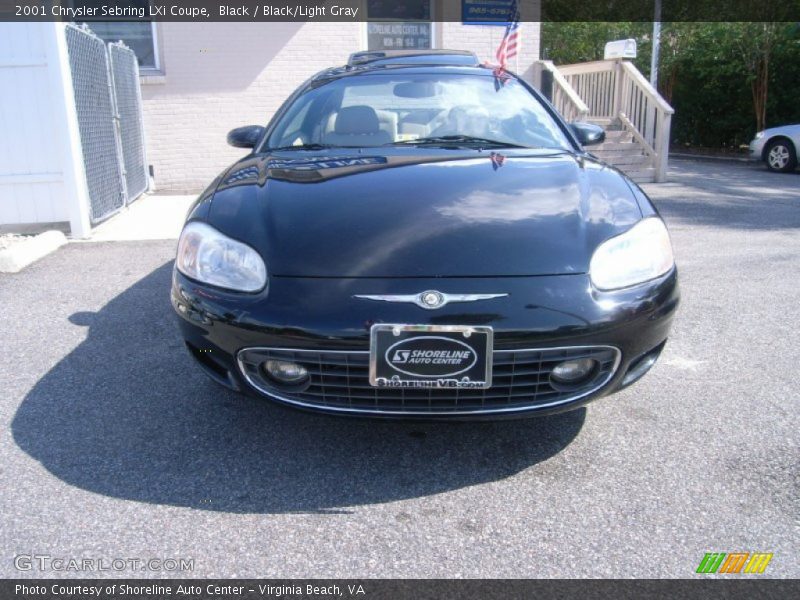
(408, 35)
(485, 12)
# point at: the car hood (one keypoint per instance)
(790, 130)
(424, 213)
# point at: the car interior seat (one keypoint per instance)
(357, 126)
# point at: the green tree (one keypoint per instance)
(756, 44)
(725, 80)
(567, 43)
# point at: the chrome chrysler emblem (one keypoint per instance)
(430, 299)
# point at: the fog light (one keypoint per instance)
(573, 371)
(285, 372)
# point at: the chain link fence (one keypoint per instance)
(125, 77)
(105, 81)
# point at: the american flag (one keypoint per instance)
(497, 160)
(508, 46)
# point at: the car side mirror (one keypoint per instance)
(245, 137)
(588, 134)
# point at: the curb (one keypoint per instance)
(708, 157)
(18, 256)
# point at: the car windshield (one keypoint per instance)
(417, 110)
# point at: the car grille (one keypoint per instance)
(339, 381)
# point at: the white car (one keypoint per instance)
(777, 147)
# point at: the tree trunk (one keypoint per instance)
(667, 84)
(763, 35)
(759, 88)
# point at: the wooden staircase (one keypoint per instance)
(614, 95)
(621, 150)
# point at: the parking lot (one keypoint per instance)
(114, 445)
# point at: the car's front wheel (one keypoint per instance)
(780, 156)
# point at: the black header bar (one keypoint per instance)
(468, 11)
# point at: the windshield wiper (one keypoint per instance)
(303, 147)
(455, 140)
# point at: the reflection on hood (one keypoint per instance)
(313, 169)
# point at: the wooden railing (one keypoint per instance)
(628, 125)
(565, 99)
(648, 112)
(596, 84)
(617, 91)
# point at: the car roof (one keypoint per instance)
(336, 72)
(413, 57)
(440, 61)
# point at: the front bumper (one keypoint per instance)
(757, 148)
(321, 317)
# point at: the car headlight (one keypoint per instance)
(759, 135)
(208, 256)
(642, 253)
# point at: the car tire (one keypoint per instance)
(780, 155)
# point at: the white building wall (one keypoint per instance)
(217, 76)
(40, 163)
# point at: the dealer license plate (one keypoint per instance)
(430, 356)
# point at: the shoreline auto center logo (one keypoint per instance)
(431, 356)
(735, 562)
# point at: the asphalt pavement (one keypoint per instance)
(113, 445)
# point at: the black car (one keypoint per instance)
(420, 236)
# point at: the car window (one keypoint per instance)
(295, 123)
(379, 109)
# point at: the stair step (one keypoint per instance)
(629, 150)
(618, 136)
(604, 122)
(641, 175)
(615, 147)
(624, 159)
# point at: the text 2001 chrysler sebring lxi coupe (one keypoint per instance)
(413, 236)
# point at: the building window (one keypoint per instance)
(399, 26)
(138, 36)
